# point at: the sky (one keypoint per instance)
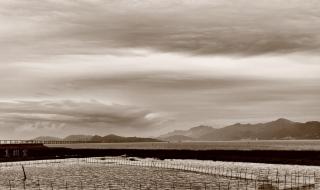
(146, 67)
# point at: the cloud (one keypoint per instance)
(198, 98)
(161, 81)
(197, 61)
(33, 29)
(47, 116)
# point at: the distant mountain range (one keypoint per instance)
(281, 129)
(274, 130)
(100, 139)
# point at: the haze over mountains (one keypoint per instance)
(281, 129)
(99, 139)
(274, 130)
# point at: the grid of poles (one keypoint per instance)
(224, 177)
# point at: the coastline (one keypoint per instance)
(292, 157)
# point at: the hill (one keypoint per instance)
(47, 138)
(193, 133)
(78, 138)
(100, 139)
(274, 130)
(118, 139)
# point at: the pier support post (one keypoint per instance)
(7, 153)
(25, 152)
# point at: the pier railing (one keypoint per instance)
(4, 142)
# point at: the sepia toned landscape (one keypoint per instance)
(159, 95)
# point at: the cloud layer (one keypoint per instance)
(42, 117)
(156, 65)
(33, 29)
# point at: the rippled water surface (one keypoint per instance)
(132, 173)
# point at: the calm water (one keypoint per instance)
(216, 145)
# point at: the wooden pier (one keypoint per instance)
(6, 142)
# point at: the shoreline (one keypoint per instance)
(292, 157)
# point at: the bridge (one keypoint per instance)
(17, 142)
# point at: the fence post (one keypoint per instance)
(173, 186)
(245, 174)
(291, 181)
(285, 180)
(9, 184)
(314, 179)
(298, 178)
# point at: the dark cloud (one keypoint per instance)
(189, 99)
(37, 29)
(199, 98)
(41, 115)
(161, 81)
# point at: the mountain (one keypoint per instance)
(118, 139)
(193, 133)
(47, 138)
(100, 139)
(78, 138)
(197, 132)
(274, 130)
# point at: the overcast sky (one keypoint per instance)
(145, 67)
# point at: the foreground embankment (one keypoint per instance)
(257, 156)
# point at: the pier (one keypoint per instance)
(6, 142)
